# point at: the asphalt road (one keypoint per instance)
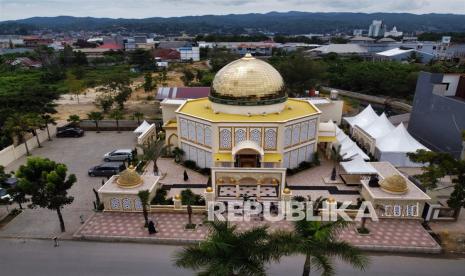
(40, 257)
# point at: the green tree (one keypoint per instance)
(143, 59)
(187, 77)
(317, 241)
(96, 117)
(439, 165)
(153, 151)
(227, 251)
(144, 200)
(117, 115)
(48, 183)
(336, 157)
(138, 116)
(47, 119)
(105, 102)
(148, 82)
(80, 58)
(122, 97)
(74, 120)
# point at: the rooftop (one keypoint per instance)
(386, 169)
(201, 108)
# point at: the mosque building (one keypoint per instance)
(247, 131)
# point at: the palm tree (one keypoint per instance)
(144, 200)
(178, 153)
(138, 116)
(74, 119)
(47, 119)
(96, 117)
(35, 122)
(188, 198)
(117, 115)
(336, 157)
(317, 241)
(19, 125)
(152, 151)
(229, 252)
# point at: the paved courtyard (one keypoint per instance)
(386, 234)
(79, 154)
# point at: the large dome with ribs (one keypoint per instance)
(248, 81)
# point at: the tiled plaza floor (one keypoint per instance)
(386, 234)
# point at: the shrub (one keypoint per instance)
(363, 230)
(160, 198)
(190, 164)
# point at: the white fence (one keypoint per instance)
(12, 153)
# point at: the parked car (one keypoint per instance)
(70, 132)
(118, 155)
(4, 196)
(107, 169)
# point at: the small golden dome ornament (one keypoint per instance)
(394, 184)
(274, 181)
(331, 200)
(177, 197)
(129, 178)
(287, 191)
(209, 189)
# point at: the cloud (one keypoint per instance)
(14, 9)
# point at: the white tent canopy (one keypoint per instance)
(394, 147)
(363, 119)
(349, 148)
(399, 140)
(358, 166)
(379, 127)
(142, 128)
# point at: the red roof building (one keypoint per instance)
(166, 54)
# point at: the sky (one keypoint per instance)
(17, 9)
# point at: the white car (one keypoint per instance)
(4, 196)
(118, 155)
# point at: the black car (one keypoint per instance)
(70, 132)
(107, 169)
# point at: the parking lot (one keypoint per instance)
(79, 154)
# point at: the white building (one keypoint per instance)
(189, 53)
(377, 29)
(394, 33)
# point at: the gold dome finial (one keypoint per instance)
(287, 191)
(394, 184)
(209, 189)
(129, 178)
(177, 197)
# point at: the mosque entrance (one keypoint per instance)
(247, 161)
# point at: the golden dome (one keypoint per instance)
(248, 81)
(129, 178)
(394, 184)
(177, 197)
(209, 189)
(287, 191)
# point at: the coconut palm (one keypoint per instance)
(74, 119)
(117, 115)
(229, 252)
(19, 125)
(152, 151)
(336, 157)
(35, 122)
(317, 241)
(48, 120)
(144, 200)
(96, 117)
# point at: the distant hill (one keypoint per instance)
(283, 23)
